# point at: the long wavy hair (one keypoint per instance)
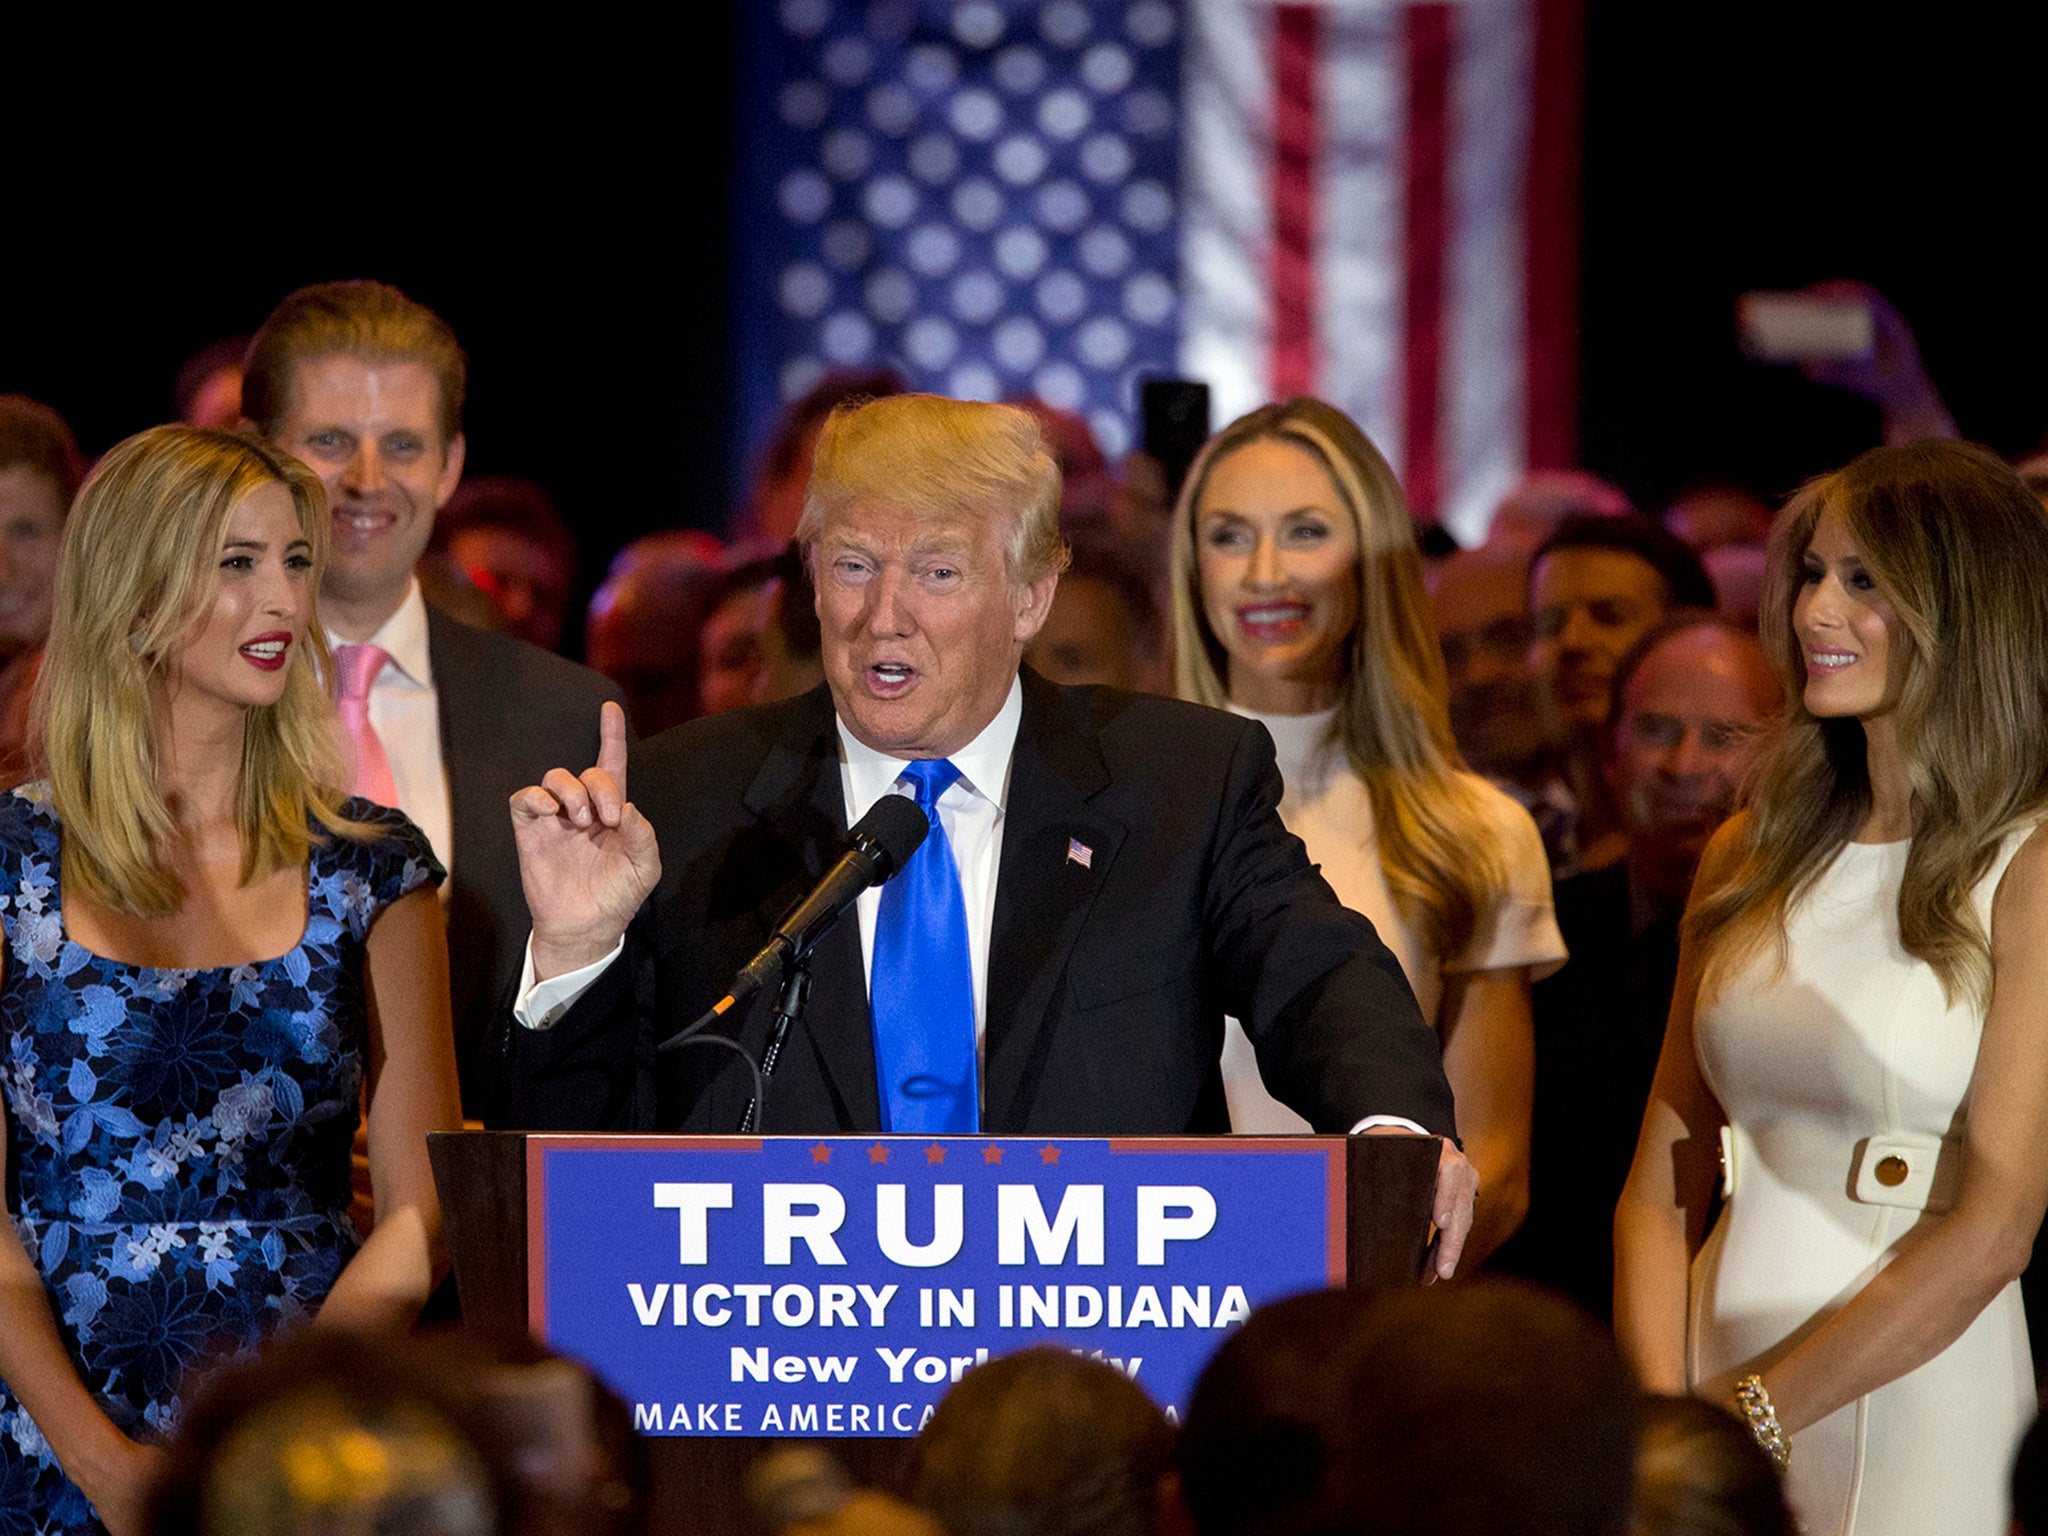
(1957, 544)
(1436, 846)
(136, 580)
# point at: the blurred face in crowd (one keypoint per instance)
(1848, 631)
(1090, 637)
(31, 532)
(1588, 607)
(635, 637)
(730, 650)
(372, 432)
(1479, 600)
(1690, 725)
(241, 651)
(1277, 553)
(1718, 515)
(923, 625)
(522, 578)
(779, 501)
(217, 402)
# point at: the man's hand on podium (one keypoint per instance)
(587, 857)
(1457, 1186)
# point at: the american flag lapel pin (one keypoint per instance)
(1080, 853)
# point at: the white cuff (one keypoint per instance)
(1369, 1123)
(542, 1003)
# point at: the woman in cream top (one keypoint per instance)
(1297, 601)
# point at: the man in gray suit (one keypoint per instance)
(366, 387)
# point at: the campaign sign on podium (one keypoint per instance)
(791, 1286)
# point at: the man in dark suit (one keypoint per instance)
(366, 387)
(1691, 699)
(1105, 876)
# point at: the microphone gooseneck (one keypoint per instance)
(878, 846)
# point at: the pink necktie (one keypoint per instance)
(358, 666)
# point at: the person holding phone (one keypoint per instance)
(1298, 601)
(1861, 1015)
(208, 948)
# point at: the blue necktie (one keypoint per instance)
(920, 985)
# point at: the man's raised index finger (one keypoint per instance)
(611, 744)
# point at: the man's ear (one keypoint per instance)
(451, 470)
(1034, 603)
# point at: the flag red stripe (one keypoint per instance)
(1291, 266)
(1552, 222)
(1429, 67)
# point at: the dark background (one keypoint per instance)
(566, 207)
(1772, 148)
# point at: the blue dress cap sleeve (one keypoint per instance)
(365, 877)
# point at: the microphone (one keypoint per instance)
(878, 846)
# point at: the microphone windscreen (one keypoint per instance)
(896, 827)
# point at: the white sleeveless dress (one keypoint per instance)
(1845, 1080)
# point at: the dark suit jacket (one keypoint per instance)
(509, 712)
(1107, 983)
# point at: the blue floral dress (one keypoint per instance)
(177, 1141)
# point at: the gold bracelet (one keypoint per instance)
(1754, 1404)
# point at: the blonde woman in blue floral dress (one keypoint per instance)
(207, 952)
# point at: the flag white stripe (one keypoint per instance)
(1226, 208)
(1363, 93)
(1483, 415)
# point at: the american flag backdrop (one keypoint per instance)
(1369, 200)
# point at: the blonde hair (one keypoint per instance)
(137, 578)
(1956, 543)
(1437, 848)
(370, 321)
(946, 459)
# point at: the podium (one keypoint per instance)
(1388, 1185)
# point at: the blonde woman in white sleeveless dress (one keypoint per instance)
(1861, 1018)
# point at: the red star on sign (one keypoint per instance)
(991, 1154)
(878, 1153)
(1048, 1154)
(821, 1153)
(935, 1153)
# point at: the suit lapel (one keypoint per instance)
(1057, 852)
(480, 851)
(458, 709)
(798, 795)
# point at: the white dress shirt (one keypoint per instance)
(405, 712)
(970, 811)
